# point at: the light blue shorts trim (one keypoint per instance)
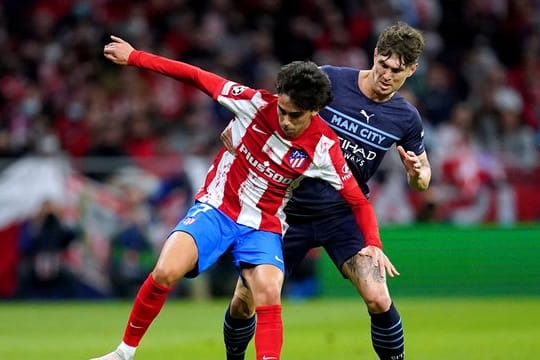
(215, 233)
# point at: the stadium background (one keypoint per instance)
(108, 157)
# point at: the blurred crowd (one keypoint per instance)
(151, 138)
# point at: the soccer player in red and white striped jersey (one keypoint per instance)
(278, 140)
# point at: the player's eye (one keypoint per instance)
(295, 115)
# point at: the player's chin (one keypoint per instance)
(385, 89)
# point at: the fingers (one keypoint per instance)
(382, 269)
(118, 39)
(226, 139)
(109, 56)
(385, 267)
(391, 270)
(406, 155)
(380, 261)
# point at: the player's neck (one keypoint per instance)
(367, 87)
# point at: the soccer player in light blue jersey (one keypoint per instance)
(369, 116)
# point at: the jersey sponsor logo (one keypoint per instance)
(238, 89)
(369, 135)
(264, 167)
(297, 157)
(356, 153)
(365, 114)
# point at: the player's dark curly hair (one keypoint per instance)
(308, 86)
(403, 40)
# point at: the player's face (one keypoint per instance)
(292, 120)
(389, 75)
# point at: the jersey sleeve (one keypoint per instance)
(414, 137)
(241, 100)
(334, 169)
(208, 82)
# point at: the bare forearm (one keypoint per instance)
(417, 168)
(420, 181)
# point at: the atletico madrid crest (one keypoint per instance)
(297, 157)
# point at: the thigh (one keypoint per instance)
(212, 231)
(368, 281)
(298, 240)
(177, 258)
(256, 247)
(340, 237)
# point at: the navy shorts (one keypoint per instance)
(339, 235)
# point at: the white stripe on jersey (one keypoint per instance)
(243, 109)
(322, 163)
(227, 87)
(216, 188)
(276, 147)
(249, 194)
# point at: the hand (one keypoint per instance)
(118, 50)
(380, 260)
(412, 163)
(226, 139)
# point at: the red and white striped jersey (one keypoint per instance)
(253, 186)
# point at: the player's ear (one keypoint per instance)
(412, 69)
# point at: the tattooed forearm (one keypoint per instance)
(362, 268)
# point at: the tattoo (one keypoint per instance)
(361, 268)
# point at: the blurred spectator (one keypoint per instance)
(438, 95)
(107, 154)
(132, 255)
(516, 143)
(463, 173)
(44, 242)
(525, 77)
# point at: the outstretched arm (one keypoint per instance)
(121, 52)
(417, 167)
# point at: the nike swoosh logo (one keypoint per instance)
(255, 128)
(135, 326)
(281, 261)
(268, 357)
